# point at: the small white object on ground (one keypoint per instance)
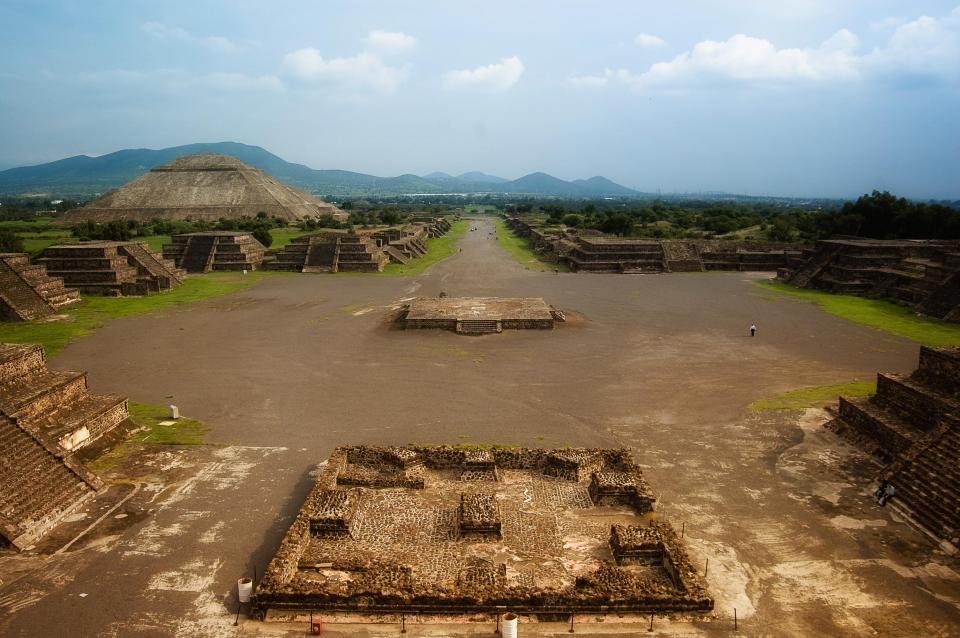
(174, 412)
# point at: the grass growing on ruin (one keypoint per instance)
(522, 250)
(93, 311)
(438, 249)
(883, 315)
(150, 431)
(815, 395)
(283, 236)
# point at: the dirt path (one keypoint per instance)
(294, 366)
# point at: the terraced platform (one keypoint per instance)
(419, 529)
(478, 315)
(45, 416)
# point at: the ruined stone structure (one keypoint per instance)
(330, 252)
(477, 315)
(912, 425)
(604, 254)
(204, 186)
(923, 274)
(428, 532)
(28, 292)
(111, 267)
(215, 250)
(45, 417)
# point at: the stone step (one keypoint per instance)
(920, 404)
(27, 397)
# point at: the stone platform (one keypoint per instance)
(478, 314)
(444, 530)
(46, 416)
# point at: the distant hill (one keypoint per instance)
(84, 176)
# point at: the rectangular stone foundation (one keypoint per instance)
(478, 314)
(414, 537)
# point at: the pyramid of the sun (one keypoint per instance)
(206, 186)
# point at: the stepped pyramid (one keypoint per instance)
(215, 250)
(204, 186)
(331, 252)
(45, 416)
(28, 292)
(112, 267)
(913, 425)
(921, 273)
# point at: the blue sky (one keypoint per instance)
(814, 98)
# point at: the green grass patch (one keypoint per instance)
(92, 312)
(183, 431)
(815, 395)
(150, 431)
(522, 250)
(438, 249)
(876, 313)
(156, 242)
(283, 236)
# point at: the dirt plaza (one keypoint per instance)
(775, 508)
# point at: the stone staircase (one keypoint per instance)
(163, 272)
(27, 292)
(45, 416)
(913, 425)
(802, 277)
(216, 250)
(112, 268)
(54, 405)
(478, 326)
(37, 489)
(928, 484)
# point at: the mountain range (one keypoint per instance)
(83, 176)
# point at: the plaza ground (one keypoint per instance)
(284, 371)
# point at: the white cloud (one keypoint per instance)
(365, 70)
(495, 77)
(162, 31)
(923, 50)
(647, 40)
(389, 42)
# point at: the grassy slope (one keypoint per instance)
(875, 313)
(94, 311)
(522, 250)
(816, 395)
(438, 249)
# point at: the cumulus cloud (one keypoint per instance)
(495, 77)
(926, 50)
(647, 40)
(161, 31)
(365, 70)
(389, 42)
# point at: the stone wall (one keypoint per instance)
(912, 425)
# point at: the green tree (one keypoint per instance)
(10, 242)
(263, 236)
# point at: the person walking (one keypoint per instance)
(753, 330)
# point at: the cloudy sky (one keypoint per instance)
(806, 98)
